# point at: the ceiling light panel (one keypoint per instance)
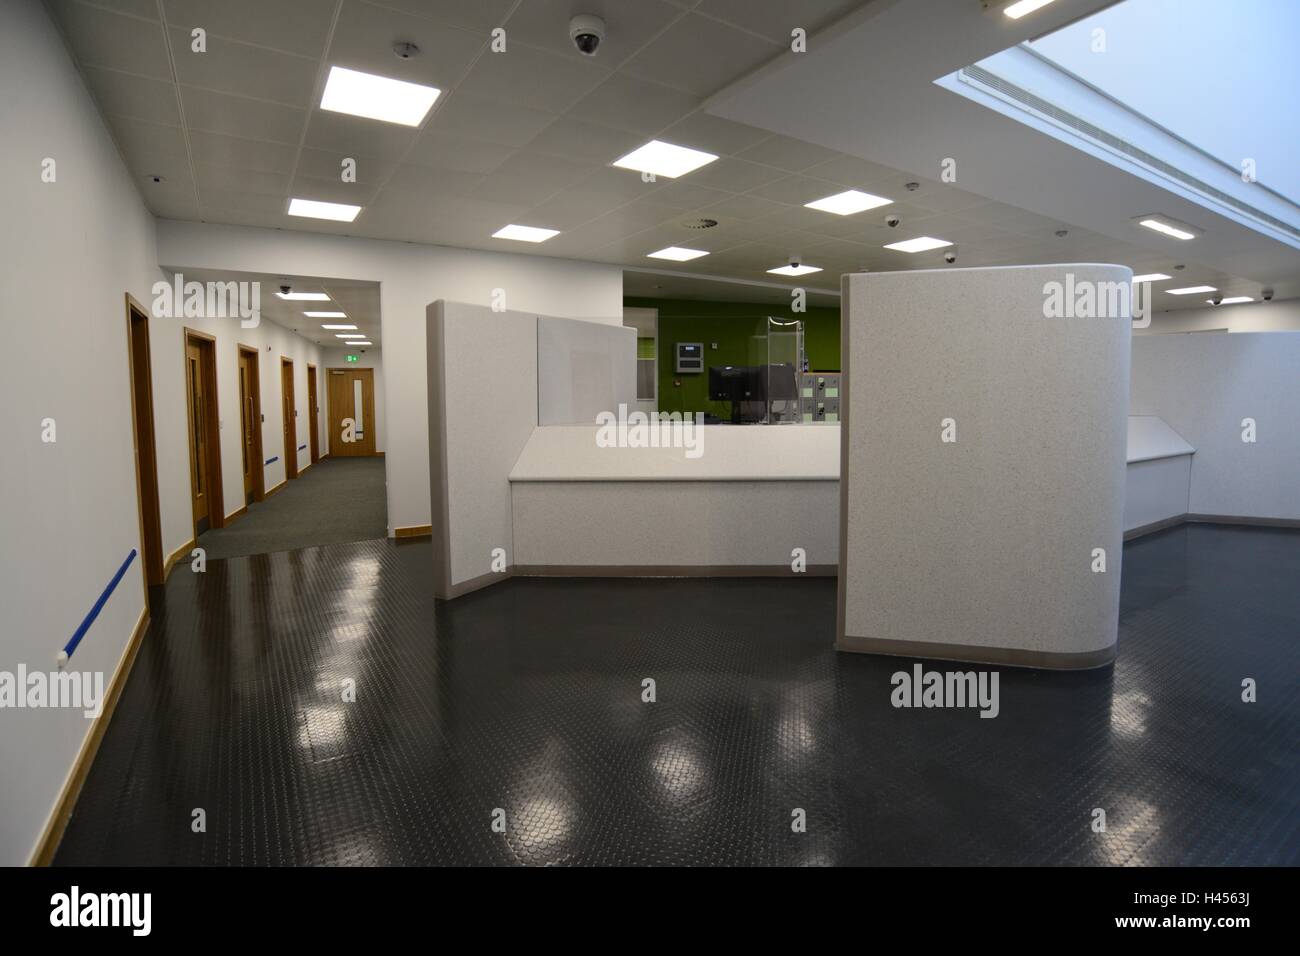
(304, 296)
(315, 209)
(919, 244)
(1022, 7)
(338, 328)
(847, 203)
(677, 254)
(1192, 290)
(1151, 277)
(664, 159)
(799, 270)
(1167, 227)
(377, 97)
(525, 233)
(326, 315)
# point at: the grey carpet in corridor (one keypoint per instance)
(334, 501)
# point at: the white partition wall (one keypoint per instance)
(483, 408)
(982, 548)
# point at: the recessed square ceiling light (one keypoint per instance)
(377, 97)
(1232, 300)
(799, 270)
(1167, 227)
(326, 315)
(1022, 7)
(525, 233)
(315, 209)
(304, 296)
(336, 328)
(664, 159)
(350, 335)
(676, 254)
(919, 244)
(1151, 277)
(847, 203)
(1192, 290)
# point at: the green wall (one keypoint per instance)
(733, 326)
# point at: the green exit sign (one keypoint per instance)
(352, 358)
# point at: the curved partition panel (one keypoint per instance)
(983, 463)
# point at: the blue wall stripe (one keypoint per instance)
(71, 646)
(275, 459)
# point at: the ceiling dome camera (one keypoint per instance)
(892, 221)
(587, 31)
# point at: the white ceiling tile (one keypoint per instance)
(713, 134)
(235, 200)
(509, 124)
(625, 102)
(244, 70)
(526, 76)
(137, 138)
(527, 177)
(742, 207)
(357, 136)
(101, 38)
(775, 19)
(448, 151)
(700, 55)
(630, 24)
(241, 117)
(253, 154)
(420, 180)
(784, 152)
(364, 38)
(253, 181)
(574, 139)
(328, 164)
(795, 190)
(481, 15)
(735, 175)
(139, 97)
(332, 190)
(297, 27)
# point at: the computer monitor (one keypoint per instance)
(736, 383)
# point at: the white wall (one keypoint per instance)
(68, 252)
(411, 276)
(167, 344)
(1246, 317)
(1204, 386)
(368, 358)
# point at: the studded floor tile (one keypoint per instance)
(523, 703)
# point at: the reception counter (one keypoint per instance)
(758, 500)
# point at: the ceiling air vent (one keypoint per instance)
(698, 223)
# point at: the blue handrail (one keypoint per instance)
(80, 632)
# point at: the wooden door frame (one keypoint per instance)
(290, 425)
(313, 413)
(255, 387)
(146, 448)
(207, 345)
(373, 427)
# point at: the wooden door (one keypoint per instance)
(352, 411)
(146, 454)
(250, 426)
(313, 414)
(289, 416)
(198, 435)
